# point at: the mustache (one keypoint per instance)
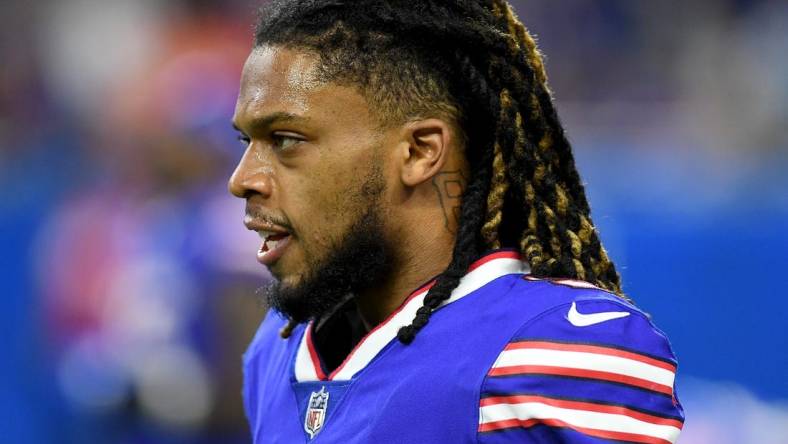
(257, 213)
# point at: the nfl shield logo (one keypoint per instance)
(316, 412)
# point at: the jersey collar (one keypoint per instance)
(488, 268)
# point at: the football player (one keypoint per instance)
(438, 275)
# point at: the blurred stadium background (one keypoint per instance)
(128, 281)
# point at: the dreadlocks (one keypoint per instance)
(471, 61)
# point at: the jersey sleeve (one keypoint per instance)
(595, 370)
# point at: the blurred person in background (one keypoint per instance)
(438, 274)
(131, 269)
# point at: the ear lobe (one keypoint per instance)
(426, 149)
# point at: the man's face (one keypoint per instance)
(311, 173)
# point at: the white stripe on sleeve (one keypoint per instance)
(585, 361)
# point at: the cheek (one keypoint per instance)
(319, 208)
(333, 205)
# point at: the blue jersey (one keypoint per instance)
(508, 358)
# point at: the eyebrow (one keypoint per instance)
(268, 120)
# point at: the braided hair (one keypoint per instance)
(473, 62)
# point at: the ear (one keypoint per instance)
(425, 149)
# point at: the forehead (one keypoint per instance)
(277, 75)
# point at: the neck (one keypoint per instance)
(425, 254)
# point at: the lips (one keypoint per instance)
(275, 235)
(273, 246)
(270, 239)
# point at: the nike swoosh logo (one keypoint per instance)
(584, 320)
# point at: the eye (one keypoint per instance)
(244, 140)
(284, 141)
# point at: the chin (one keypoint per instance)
(284, 279)
(288, 277)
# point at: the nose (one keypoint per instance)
(253, 174)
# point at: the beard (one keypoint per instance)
(358, 260)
